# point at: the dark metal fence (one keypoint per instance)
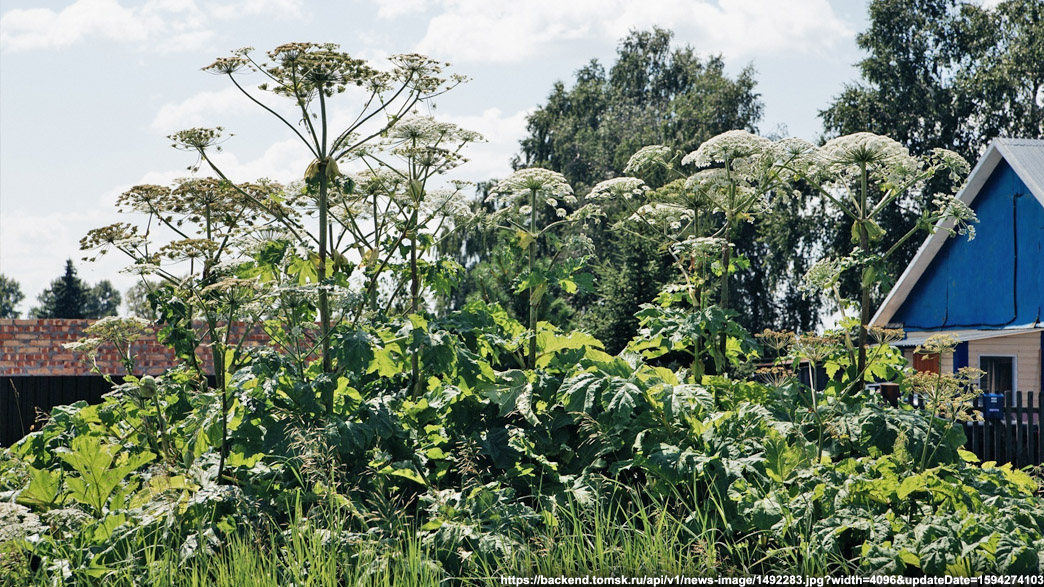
(24, 400)
(1013, 438)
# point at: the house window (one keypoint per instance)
(1000, 374)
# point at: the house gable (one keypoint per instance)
(993, 281)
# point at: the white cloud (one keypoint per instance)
(399, 8)
(283, 161)
(161, 25)
(205, 109)
(275, 8)
(37, 28)
(508, 31)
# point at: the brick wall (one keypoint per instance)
(34, 347)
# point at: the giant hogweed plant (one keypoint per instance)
(416, 149)
(517, 201)
(739, 171)
(861, 175)
(480, 461)
(208, 218)
(234, 238)
(310, 76)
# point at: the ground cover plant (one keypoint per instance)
(378, 441)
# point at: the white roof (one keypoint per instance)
(1026, 158)
(918, 338)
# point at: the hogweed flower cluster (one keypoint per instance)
(726, 148)
(669, 218)
(699, 248)
(823, 275)
(518, 185)
(815, 348)
(649, 158)
(778, 341)
(626, 188)
(938, 344)
(864, 148)
(516, 192)
(949, 395)
(776, 375)
(881, 335)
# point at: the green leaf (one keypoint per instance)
(912, 484)
(909, 558)
(354, 351)
(406, 470)
(525, 238)
(42, 491)
(514, 394)
(782, 460)
(967, 456)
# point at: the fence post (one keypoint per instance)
(1040, 426)
(1032, 454)
(1018, 453)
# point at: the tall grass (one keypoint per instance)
(627, 534)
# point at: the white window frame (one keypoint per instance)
(1014, 368)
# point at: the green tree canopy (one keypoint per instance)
(70, 297)
(10, 297)
(947, 73)
(653, 94)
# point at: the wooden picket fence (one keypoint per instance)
(1014, 438)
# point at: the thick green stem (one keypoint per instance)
(414, 300)
(217, 354)
(533, 298)
(324, 299)
(726, 259)
(815, 410)
(864, 301)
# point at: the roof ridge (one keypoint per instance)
(1019, 142)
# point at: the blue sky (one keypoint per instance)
(90, 88)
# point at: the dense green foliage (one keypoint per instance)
(70, 297)
(653, 94)
(490, 458)
(10, 296)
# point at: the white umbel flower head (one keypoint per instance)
(727, 147)
(950, 160)
(647, 158)
(669, 217)
(701, 247)
(948, 208)
(517, 189)
(425, 130)
(867, 148)
(618, 187)
(544, 181)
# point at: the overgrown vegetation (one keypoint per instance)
(377, 441)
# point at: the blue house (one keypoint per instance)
(988, 291)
